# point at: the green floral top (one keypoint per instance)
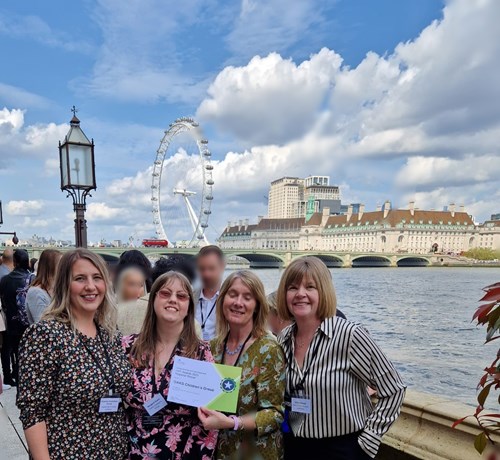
(262, 392)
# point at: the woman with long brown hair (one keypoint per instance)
(41, 290)
(243, 340)
(72, 370)
(167, 430)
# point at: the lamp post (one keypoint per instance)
(76, 157)
(15, 239)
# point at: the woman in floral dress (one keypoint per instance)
(242, 340)
(69, 362)
(169, 430)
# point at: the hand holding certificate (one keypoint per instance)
(203, 384)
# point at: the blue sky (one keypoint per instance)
(392, 99)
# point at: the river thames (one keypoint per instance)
(421, 318)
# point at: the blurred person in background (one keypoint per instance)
(134, 258)
(210, 264)
(6, 266)
(10, 284)
(41, 290)
(131, 314)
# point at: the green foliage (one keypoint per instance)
(482, 254)
(487, 314)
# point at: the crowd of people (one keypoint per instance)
(91, 346)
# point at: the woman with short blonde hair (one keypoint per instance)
(243, 340)
(72, 369)
(331, 362)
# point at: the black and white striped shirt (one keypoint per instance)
(346, 360)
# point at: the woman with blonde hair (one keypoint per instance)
(157, 429)
(41, 290)
(73, 370)
(243, 340)
(331, 362)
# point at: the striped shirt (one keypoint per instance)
(340, 363)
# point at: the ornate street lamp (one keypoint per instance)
(76, 157)
(15, 239)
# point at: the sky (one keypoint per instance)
(393, 100)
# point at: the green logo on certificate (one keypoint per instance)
(203, 384)
(228, 385)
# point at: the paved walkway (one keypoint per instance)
(12, 442)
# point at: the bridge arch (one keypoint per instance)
(370, 261)
(330, 261)
(413, 261)
(259, 260)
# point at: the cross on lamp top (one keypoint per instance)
(74, 110)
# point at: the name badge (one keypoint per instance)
(109, 404)
(155, 404)
(301, 405)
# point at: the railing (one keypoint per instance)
(423, 431)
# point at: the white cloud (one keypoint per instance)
(264, 25)
(101, 211)
(18, 97)
(25, 208)
(271, 99)
(35, 28)
(138, 60)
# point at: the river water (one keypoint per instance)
(421, 318)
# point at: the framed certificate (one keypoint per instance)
(203, 384)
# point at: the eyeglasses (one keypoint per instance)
(166, 294)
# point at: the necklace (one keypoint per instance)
(235, 351)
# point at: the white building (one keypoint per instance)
(385, 230)
(292, 197)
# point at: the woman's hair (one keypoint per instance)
(271, 301)
(311, 269)
(60, 306)
(33, 262)
(135, 258)
(144, 347)
(121, 279)
(47, 267)
(252, 282)
(174, 263)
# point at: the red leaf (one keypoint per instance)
(494, 285)
(483, 310)
(491, 294)
(458, 422)
(481, 398)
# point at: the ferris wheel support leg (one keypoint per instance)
(192, 214)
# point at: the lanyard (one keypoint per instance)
(203, 319)
(153, 383)
(239, 354)
(305, 372)
(109, 377)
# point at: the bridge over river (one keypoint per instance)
(264, 258)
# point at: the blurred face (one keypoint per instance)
(275, 323)
(171, 302)
(132, 286)
(87, 289)
(302, 299)
(211, 271)
(239, 304)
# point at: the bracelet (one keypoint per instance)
(236, 421)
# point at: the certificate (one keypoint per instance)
(203, 384)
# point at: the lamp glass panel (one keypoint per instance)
(64, 166)
(80, 161)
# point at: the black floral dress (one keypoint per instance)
(60, 383)
(180, 436)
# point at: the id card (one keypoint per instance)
(109, 404)
(301, 405)
(155, 404)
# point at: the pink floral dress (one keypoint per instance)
(180, 436)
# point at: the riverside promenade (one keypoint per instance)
(423, 431)
(12, 442)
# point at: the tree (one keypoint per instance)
(488, 313)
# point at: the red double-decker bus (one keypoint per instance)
(155, 243)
